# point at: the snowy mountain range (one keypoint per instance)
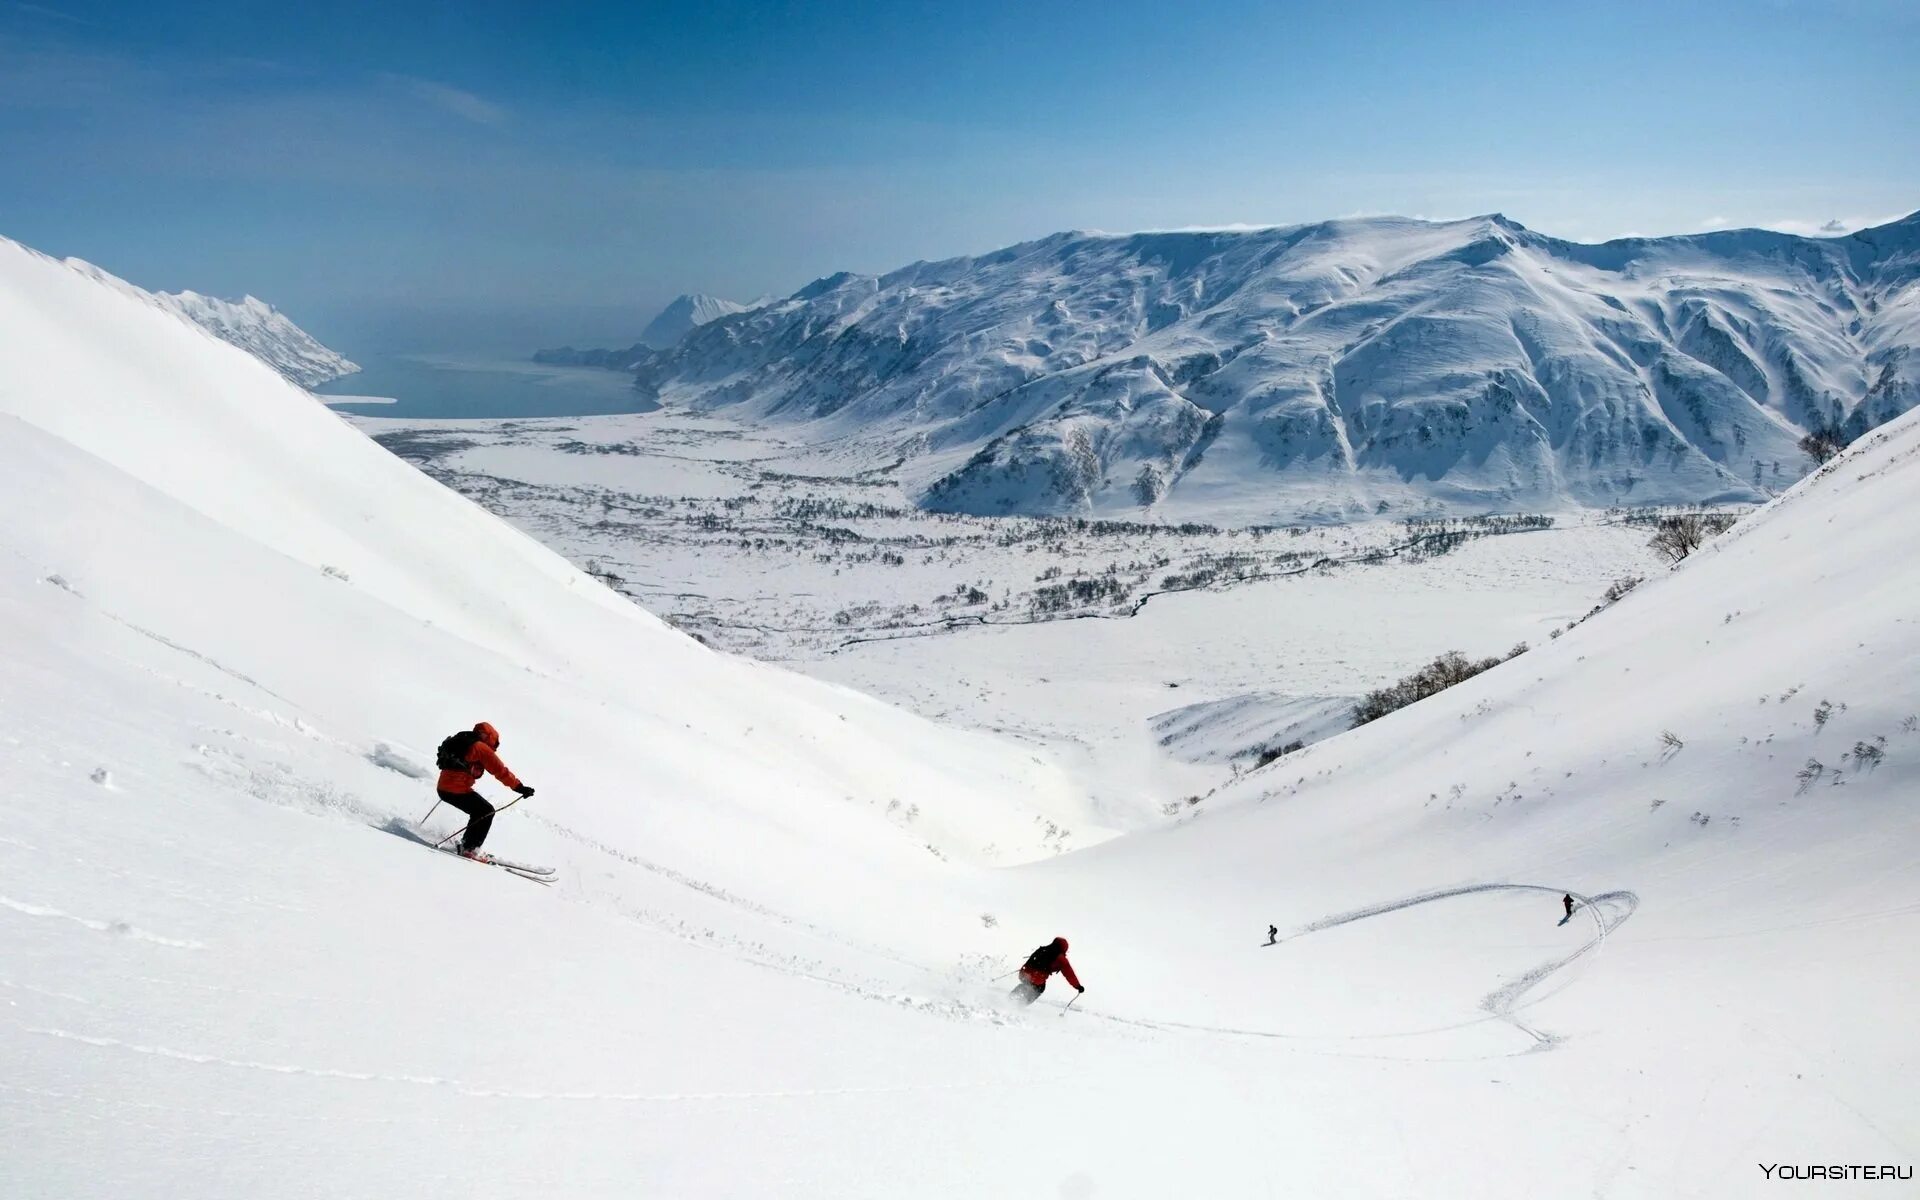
(673, 323)
(782, 905)
(264, 332)
(1331, 370)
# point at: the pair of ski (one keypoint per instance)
(545, 875)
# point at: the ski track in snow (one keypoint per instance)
(1502, 1003)
(117, 927)
(410, 1121)
(734, 946)
(170, 644)
(493, 1093)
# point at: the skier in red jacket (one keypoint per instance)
(1041, 964)
(455, 786)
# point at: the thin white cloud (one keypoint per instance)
(54, 14)
(458, 101)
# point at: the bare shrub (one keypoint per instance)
(1677, 536)
(1274, 753)
(1823, 444)
(1436, 677)
(1867, 754)
(1620, 587)
(1810, 774)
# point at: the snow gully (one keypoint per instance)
(1836, 1171)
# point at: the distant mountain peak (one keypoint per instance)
(686, 313)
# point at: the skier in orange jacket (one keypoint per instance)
(464, 758)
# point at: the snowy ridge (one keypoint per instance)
(251, 324)
(1333, 370)
(264, 332)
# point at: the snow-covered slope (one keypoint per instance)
(182, 439)
(236, 628)
(1336, 369)
(264, 332)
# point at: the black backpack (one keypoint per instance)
(1042, 960)
(452, 755)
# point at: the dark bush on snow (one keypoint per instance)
(1619, 588)
(1274, 753)
(1676, 537)
(1436, 677)
(1822, 445)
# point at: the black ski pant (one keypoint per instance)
(479, 816)
(1026, 992)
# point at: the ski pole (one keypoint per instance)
(430, 812)
(496, 812)
(1068, 1004)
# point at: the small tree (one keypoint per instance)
(1822, 444)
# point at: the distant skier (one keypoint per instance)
(1568, 901)
(1039, 965)
(1273, 934)
(463, 759)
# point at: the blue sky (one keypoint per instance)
(460, 172)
